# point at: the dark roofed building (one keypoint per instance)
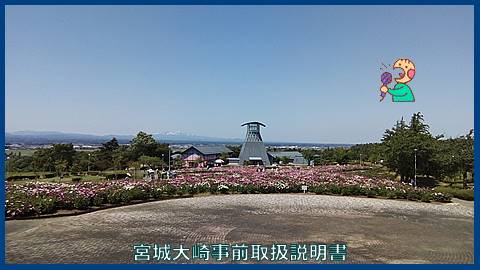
(293, 157)
(201, 156)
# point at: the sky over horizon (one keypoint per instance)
(310, 73)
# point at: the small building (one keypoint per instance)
(202, 156)
(293, 157)
(233, 161)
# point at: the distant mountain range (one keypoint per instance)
(36, 138)
(49, 137)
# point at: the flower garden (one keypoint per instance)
(39, 198)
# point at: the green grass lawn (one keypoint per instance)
(66, 179)
(93, 176)
(23, 152)
(29, 152)
(459, 193)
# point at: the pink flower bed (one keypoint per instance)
(40, 198)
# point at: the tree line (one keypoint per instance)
(436, 156)
(143, 150)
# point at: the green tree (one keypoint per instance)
(61, 167)
(467, 155)
(103, 158)
(81, 162)
(403, 142)
(19, 163)
(45, 159)
(145, 145)
(63, 152)
(151, 162)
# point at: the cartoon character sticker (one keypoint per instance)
(401, 92)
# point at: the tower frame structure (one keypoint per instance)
(253, 149)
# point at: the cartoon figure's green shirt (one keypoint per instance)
(401, 93)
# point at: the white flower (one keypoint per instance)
(220, 187)
(128, 187)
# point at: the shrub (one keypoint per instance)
(44, 204)
(169, 189)
(99, 199)
(114, 176)
(401, 194)
(21, 176)
(371, 193)
(81, 202)
(463, 194)
(188, 189)
(333, 189)
(426, 197)
(118, 196)
(441, 197)
(137, 193)
(359, 191)
(319, 189)
(76, 179)
(48, 175)
(223, 189)
(414, 195)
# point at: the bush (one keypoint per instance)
(333, 189)
(426, 197)
(48, 175)
(118, 196)
(463, 194)
(113, 176)
(44, 205)
(321, 190)
(81, 202)
(414, 195)
(76, 179)
(137, 193)
(223, 189)
(99, 199)
(371, 193)
(21, 176)
(357, 191)
(441, 197)
(169, 190)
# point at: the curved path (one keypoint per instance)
(375, 230)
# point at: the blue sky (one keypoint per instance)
(310, 73)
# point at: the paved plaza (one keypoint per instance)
(375, 230)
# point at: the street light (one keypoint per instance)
(88, 164)
(415, 176)
(163, 160)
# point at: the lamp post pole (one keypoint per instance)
(163, 160)
(415, 176)
(88, 164)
